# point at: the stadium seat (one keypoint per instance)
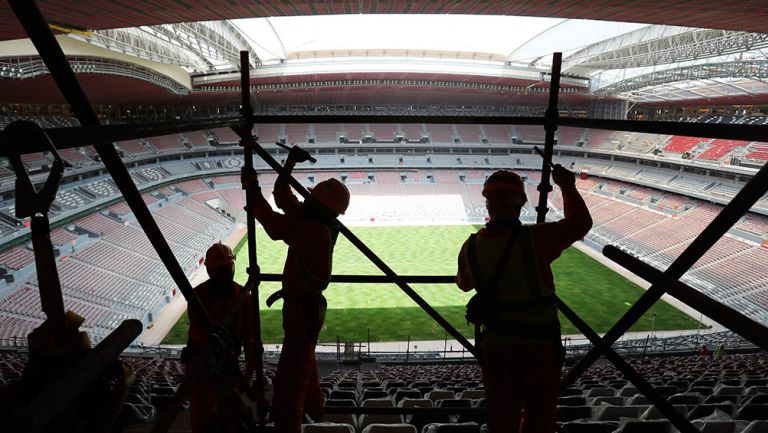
(418, 420)
(337, 402)
(340, 418)
(690, 398)
(570, 413)
(588, 427)
(468, 427)
(655, 426)
(704, 410)
(407, 393)
(389, 384)
(753, 412)
(715, 399)
(472, 394)
(367, 419)
(439, 394)
(601, 392)
(389, 428)
(627, 391)
(703, 390)
(607, 412)
(343, 394)
(715, 426)
(652, 413)
(373, 393)
(458, 403)
(727, 390)
(327, 427)
(761, 398)
(756, 390)
(637, 399)
(137, 413)
(613, 400)
(572, 400)
(666, 390)
(756, 427)
(571, 391)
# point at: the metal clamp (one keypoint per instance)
(29, 201)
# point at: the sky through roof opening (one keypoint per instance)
(274, 38)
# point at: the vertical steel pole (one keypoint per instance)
(550, 126)
(254, 272)
(38, 31)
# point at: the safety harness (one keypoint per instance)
(485, 306)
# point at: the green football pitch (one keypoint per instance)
(383, 312)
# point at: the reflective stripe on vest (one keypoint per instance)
(523, 299)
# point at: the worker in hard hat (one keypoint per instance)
(218, 295)
(514, 309)
(310, 231)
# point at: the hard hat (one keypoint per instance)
(504, 180)
(332, 194)
(219, 255)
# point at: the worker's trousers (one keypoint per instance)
(522, 385)
(297, 384)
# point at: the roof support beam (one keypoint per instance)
(733, 69)
(659, 45)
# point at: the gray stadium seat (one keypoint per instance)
(654, 426)
(327, 427)
(389, 428)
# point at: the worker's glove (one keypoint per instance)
(249, 178)
(563, 177)
(297, 154)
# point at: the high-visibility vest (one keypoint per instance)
(523, 305)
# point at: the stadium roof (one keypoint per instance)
(452, 58)
(715, 14)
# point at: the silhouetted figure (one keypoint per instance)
(519, 333)
(51, 353)
(719, 351)
(704, 351)
(309, 230)
(215, 397)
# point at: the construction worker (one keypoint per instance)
(309, 230)
(211, 398)
(514, 310)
